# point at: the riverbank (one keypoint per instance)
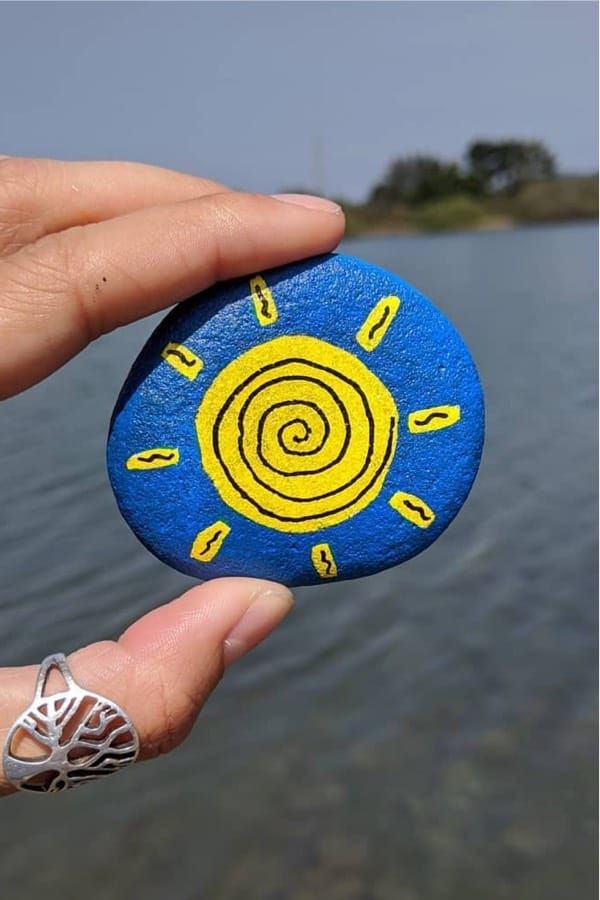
(556, 200)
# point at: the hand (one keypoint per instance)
(84, 249)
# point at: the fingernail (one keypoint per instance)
(268, 608)
(310, 202)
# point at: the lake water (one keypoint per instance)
(424, 734)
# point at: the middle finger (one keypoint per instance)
(43, 196)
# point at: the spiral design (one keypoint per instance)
(297, 434)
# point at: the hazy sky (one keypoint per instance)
(272, 95)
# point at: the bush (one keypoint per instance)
(449, 213)
(551, 201)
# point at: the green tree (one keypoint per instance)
(413, 180)
(506, 165)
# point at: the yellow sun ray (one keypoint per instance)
(412, 508)
(264, 305)
(372, 331)
(183, 360)
(323, 561)
(209, 541)
(433, 418)
(154, 458)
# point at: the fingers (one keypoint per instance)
(162, 669)
(67, 289)
(41, 196)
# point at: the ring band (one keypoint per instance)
(83, 736)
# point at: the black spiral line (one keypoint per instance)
(271, 367)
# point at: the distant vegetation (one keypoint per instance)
(498, 184)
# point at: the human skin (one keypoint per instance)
(87, 247)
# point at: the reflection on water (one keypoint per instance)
(425, 733)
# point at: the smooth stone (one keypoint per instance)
(316, 422)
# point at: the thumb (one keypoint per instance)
(162, 669)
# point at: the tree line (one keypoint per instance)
(489, 168)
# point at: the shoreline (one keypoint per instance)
(491, 225)
(555, 201)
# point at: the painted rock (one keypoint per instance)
(315, 422)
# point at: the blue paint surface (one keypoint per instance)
(422, 360)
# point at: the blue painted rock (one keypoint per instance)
(315, 422)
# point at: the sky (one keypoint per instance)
(268, 96)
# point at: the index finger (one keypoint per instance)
(69, 288)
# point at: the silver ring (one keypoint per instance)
(81, 736)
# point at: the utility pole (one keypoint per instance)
(317, 168)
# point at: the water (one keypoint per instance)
(424, 734)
